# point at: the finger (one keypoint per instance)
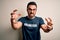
(12, 13)
(15, 10)
(46, 19)
(12, 16)
(50, 19)
(50, 24)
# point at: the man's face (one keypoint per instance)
(31, 10)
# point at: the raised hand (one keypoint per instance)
(49, 21)
(14, 15)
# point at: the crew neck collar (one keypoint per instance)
(30, 18)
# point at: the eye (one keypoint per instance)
(29, 9)
(34, 9)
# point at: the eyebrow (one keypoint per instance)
(31, 9)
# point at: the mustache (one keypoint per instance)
(31, 13)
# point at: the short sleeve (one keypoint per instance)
(41, 21)
(20, 19)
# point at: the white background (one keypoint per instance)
(46, 8)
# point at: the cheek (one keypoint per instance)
(34, 12)
(28, 11)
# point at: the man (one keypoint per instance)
(30, 24)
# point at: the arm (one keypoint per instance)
(47, 27)
(14, 23)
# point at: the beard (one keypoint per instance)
(31, 15)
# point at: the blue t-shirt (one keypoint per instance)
(31, 28)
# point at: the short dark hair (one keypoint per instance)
(31, 3)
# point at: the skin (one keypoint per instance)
(31, 10)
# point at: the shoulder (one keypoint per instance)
(41, 21)
(21, 19)
(40, 18)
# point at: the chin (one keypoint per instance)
(32, 16)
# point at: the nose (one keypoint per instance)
(31, 11)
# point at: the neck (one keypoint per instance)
(31, 17)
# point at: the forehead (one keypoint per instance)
(32, 7)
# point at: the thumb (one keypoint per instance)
(19, 14)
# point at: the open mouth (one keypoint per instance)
(31, 13)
